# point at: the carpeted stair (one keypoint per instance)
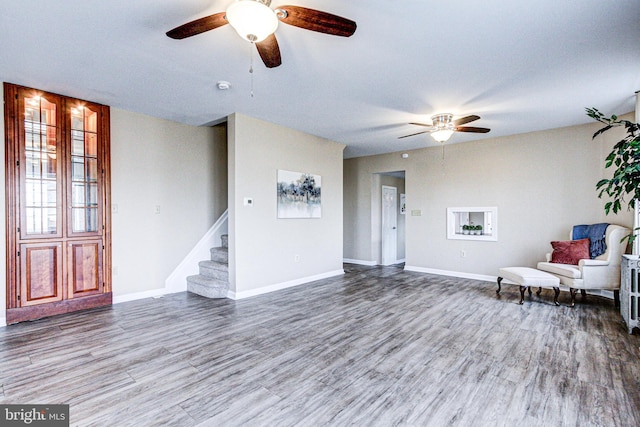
(213, 280)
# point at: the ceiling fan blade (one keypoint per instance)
(464, 120)
(471, 129)
(421, 124)
(269, 51)
(198, 26)
(414, 134)
(315, 20)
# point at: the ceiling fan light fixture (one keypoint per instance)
(442, 135)
(253, 20)
(443, 124)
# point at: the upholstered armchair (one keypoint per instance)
(602, 272)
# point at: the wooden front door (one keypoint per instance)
(57, 203)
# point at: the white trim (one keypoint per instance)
(3, 322)
(177, 280)
(283, 285)
(359, 262)
(487, 278)
(141, 295)
(460, 274)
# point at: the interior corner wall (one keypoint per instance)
(180, 169)
(263, 248)
(543, 183)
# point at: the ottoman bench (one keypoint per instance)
(527, 277)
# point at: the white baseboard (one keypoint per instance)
(283, 285)
(487, 278)
(359, 262)
(117, 299)
(460, 274)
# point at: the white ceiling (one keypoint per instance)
(521, 65)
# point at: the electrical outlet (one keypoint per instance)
(296, 258)
(463, 254)
(157, 209)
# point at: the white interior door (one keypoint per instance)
(389, 225)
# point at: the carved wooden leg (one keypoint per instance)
(584, 293)
(616, 298)
(556, 292)
(522, 288)
(529, 289)
(573, 297)
(499, 287)
(539, 291)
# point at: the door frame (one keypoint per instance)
(389, 241)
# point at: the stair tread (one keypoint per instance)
(218, 265)
(207, 281)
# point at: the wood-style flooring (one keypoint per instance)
(376, 347)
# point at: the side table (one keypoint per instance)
(629, 291)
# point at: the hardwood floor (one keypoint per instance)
(378, 346)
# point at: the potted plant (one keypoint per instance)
(465, 229)
(479, 230)
(625, 155)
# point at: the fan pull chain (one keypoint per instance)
(251, 65)
(443, 170)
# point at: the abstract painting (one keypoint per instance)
(299, 195)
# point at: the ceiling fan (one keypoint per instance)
(256, 21)
(444, 126)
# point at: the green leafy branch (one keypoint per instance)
(625, 156)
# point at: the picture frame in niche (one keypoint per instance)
(299, 195)
(472, 223)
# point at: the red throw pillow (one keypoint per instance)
(570, 251)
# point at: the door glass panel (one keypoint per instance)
(90, 120)
(77, 143)
(84, 172)
(34, 220)
(78, 194)
(50, 220)
(92, 195)
(78, 219)
(41, 165)
(77, 168)
(33, 164)
(52, 199)
(92, 144)
(33, 193)
(92, 170)
(92, 219)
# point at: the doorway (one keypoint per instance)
(388, 217)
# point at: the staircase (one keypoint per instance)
(213, 280)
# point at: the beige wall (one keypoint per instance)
(263, 247)
(181, 169)
(541, 182)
